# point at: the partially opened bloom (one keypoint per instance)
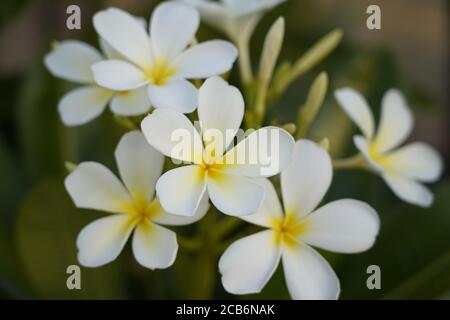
(215, 170)
(346, 226)
(133, 204)
(403, 169)
(72, 60)
(159, 61)
(236, 18)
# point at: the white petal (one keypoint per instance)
(131, 103)
(248, 264)
(396, 121)
(263, 153)
(213, 13)
(356, 107)
(180, 190)
(72, 60)
(308, 275)
(154, 247)
(81, 105)
(109, 50)
(416, 161)
(346, 226)
(173, 25)
(178, 94)
(409, 190)
(162, 217)
(233, 195)
(306, 179)
(93, 186)
(206, 59)
(173, 134)
(220, 111)
(125, 34)
(101, 241)
(140, 165)
(118, 75)
(270, 209)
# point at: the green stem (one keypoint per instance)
(355, 162)
(226, 226)
(189, 244)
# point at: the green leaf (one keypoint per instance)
(46, 232)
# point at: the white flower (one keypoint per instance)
(160, 61)
(236, 18)
(72, 60)
(214, 170)
(402, 169)
(134, 208)
(346, 226)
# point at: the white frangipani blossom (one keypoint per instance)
(160, 61)
(72, 61)
(405, 168)
(346, 226)
(236, 18)
(215, 170)
(133, 204)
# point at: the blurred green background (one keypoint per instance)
(39, 224)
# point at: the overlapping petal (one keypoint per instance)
(181, 190)
(140, 165)
(178, 94)
(131, 103)
(173, 135)
(263, 153)
(396, 122)
(81, 105)
(220, 111)
(308, 275)
(409, 190)
(72, 60)
(125, 34)
(101, 241)
(93, 186)
(306, 179)
(234, 195)
(247, 265)
(118, 75)
(172, 27)
(347, 226)
(354, 104)
(154, 247)
(206, 59)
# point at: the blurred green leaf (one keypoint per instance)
(413, 252)
(46, 233)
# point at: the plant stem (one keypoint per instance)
(355, 162)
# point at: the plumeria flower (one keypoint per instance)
(134, 207)
(236, 18)
(216, 170)
(346, 226)
(403, 169)
(159, 61)
(72, 61)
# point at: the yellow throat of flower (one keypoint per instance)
(159, 73)
(140, 208)
(288, 229)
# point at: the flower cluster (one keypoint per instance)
(218, 169)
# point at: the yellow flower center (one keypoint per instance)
(159, 73)
(288, 229)
(141, 209)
